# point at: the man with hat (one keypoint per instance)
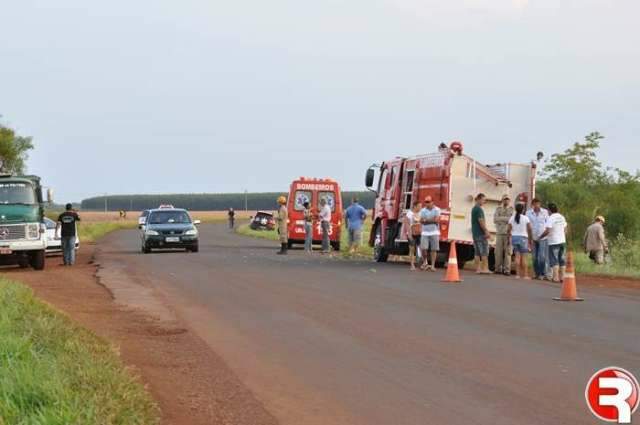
(503, 242)
(283, 219)
(595, 242)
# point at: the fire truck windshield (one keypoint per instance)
(17, 193)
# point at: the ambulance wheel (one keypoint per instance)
(335, 246)
(380, 254)
(38, 260)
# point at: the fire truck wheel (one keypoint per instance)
(380, 254)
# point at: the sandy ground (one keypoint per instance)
(192, 385)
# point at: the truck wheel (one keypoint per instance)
(38, 260)
(492, 260)
(335, 246)
(289, 244)
(380, 254)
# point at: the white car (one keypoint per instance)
(54, 242)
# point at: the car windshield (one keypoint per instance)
(17, 193)
(169, 217)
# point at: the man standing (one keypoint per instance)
(283, 221)
(232, 218)
(481, 235)
(538, 217)
(67, 227)
(556, 230)
(501, 218)
(325, 224)
(595, 242)
(355, 216)
(430, 238)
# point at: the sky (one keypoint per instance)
(161, 96)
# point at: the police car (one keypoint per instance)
(54, 242)
(169, 228)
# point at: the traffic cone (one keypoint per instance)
(569, 290)
(453, 275)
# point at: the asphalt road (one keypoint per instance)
(328, 341)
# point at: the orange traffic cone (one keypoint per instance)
(453, 275)
(569, 290)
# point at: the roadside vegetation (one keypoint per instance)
(56, 373)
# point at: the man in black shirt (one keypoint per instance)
(67, 226)
(232, 218)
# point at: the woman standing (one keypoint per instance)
(520, 232)
(413, 230)
(308, 228)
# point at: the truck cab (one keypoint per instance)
(313, 190)
(23, 238)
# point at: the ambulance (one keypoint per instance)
(313, 190)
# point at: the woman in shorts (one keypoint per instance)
(520, 231)
(413, 230)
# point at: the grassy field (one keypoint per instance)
(53, 372)
(585, 266)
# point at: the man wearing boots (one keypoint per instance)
(556, 234)
(283, 218)
(503, 242)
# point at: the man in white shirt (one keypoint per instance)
(430, 239)
(325, 223)
(556, 234)
(538, 217)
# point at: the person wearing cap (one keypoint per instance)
(501, 217)
(283, 219)
(595, 241)
(430, 238)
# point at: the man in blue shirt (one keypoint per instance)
(354, 217)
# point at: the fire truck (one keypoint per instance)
(313, 190)
(452, 179)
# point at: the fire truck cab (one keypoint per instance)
(452, 179)
(313, 190)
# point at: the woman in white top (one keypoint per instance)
(412, 231)
(520, 232)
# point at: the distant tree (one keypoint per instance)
(578, 164)
(14, 150)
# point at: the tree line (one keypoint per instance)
(204, 201)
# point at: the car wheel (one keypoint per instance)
(194, 248)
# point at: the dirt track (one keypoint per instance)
(323, 341)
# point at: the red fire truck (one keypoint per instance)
(312, 190)
(452, 179)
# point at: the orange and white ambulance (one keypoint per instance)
(312, 190)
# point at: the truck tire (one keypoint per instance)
(335, 246)
(380, 253)
(38, 260)
(289, 244)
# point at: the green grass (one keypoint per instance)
(92, 231)
(245, 230)
(587, 267)
(53, 372)
(363, 250)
